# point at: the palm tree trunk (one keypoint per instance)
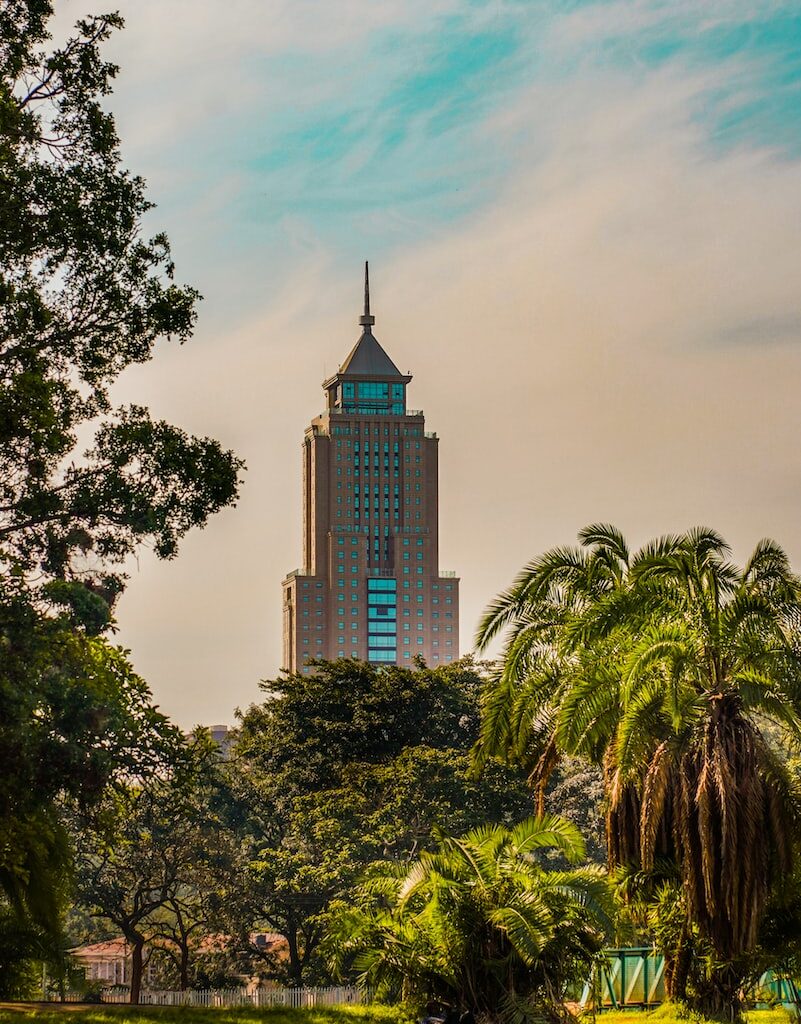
(722, 996)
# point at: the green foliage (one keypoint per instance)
(344, 767)
(74, 717)
(664, 667)
(478, 923)
(83, 295)
(153, 872)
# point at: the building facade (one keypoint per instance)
(370, 586)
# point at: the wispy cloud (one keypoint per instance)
(586, 224)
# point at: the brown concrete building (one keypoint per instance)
(370, 586)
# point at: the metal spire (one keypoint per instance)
(367, 321)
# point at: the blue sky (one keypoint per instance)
(584, 226)
(374, 138)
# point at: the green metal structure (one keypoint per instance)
(635, 978)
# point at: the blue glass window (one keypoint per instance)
(373, 389)
(381, 619)
(388, 656)
(382, 641)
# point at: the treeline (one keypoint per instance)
(84, 293)
(336, 772)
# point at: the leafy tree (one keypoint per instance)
(83, 295)
(349, 765)
(74, 717)
(478, 923)
(152, 873)
(664, 666)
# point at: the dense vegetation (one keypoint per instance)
(674, 671)
(82, 295)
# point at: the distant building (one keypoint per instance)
(370, 586)
(108, 962)
(223, 736)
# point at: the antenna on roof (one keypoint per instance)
(366, 320)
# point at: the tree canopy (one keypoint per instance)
(665, 666)
(349, 765)
(84, 293)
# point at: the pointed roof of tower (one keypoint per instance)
(367, 358)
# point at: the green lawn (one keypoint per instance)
(664, 1015)
(114, 1014)
(72, 1013)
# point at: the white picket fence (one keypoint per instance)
(229, 997)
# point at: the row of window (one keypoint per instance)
(391, 661)
(363, 409)
(377, 446)
(345, 430)
(370, 389)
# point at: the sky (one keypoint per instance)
(583, 221)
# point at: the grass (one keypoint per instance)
(75, 1013)
(72, 1013)
(667, 1015)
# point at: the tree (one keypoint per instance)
(74, 719)
(83, 295)
(664, 666)
(152, 873)
(478, 923)
(346, 766)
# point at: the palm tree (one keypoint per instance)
(666, 667)
(479, 923)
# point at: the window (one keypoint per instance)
(397, 390)
(373, 389)
(347, 389)
(382, 641)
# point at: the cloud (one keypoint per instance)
(591, 268)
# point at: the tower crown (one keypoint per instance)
(368, 382)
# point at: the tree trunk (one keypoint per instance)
(677, 971)
(184, 970)
(721, 996)
(295, 964)
(136, 969)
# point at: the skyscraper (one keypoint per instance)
(370, 586)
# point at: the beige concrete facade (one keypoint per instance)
(370, 586)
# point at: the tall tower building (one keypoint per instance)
(370, 586)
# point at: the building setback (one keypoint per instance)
(370, 587)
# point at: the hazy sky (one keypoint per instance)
(584, 227)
